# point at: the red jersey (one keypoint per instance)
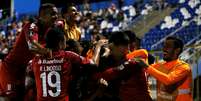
(132, 84)
(12, 68)
(52, 76)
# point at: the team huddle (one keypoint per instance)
(48, 63)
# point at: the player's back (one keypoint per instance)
(53, 75)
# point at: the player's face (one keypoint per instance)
(50, 15)
(169, 50)
(118, 51)
(73, 13)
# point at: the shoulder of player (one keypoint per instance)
(25, 27)
(183, 65)
(143, 51)
(60, 23)
(70, 53)
(30, 26)
(38, 56)
(35, 59)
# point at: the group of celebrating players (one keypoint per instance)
(39, 67)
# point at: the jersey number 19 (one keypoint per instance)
(48, 83)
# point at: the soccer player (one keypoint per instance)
(70, 14)
(12, 68)
(52, 75)
(126, 80)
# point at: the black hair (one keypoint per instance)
(45, 6)
(178, 43)
(131, 36)
(72, 45)
(119, 38)
(54, 37)
(86, 46)
(66, 8)
(138, 42)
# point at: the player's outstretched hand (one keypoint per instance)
(141, 62)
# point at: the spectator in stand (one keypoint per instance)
(113, 11)
(4, 49)
(121, 3)
(138, 4)
(160, 4)
(86, 5)
(120, 16)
